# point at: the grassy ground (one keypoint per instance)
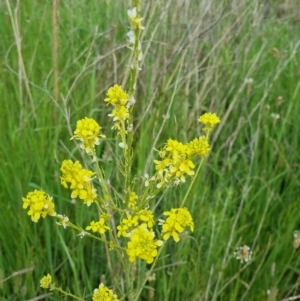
(239, 59)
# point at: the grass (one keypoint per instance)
(198, 57)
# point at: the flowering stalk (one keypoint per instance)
(134, 39)
(125, 222)
(209, 121)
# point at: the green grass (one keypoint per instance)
(198, 55)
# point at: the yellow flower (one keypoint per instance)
(116, 96)
(103, 293)
(146, 216)
(132, 201)
(176, 162)
(88, 194)
(45, 282)
(161, 165)
(209, 120)
(40, 205)
(176, 150)
(199, 146)
(111, 245)
(79, 180)
(126, 224)
(122, 230)
(181, 168)
(88, 131)
(120, 113)
(74, 174)
(177, 220)
(99, 226)
(142, 244)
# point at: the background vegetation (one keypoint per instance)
(237, 58)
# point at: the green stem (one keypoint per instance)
(101, 178)
(132, 91)
(140, 289)
(79, 229)
(128, 150)
(193, 182)
(129, 282)
(66, 294)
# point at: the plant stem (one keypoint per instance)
(192, 183)
(129, 282)
(132, 91)
(66, 294)
(148, 273)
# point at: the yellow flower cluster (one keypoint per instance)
(88, 131)
(116, 96)
(99, 226)
(131, 221)
(176, 160)
(138, 228)
(209, 120)
(126, 225)
(45, 282)
(142, 244)
(176, 157)
(132, 201)
(147, 217)
(119, 99)
(103, 293)
(177, 220)
(198, 147)
(40, 205)
(79, 180)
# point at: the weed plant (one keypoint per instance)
(239, 59)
